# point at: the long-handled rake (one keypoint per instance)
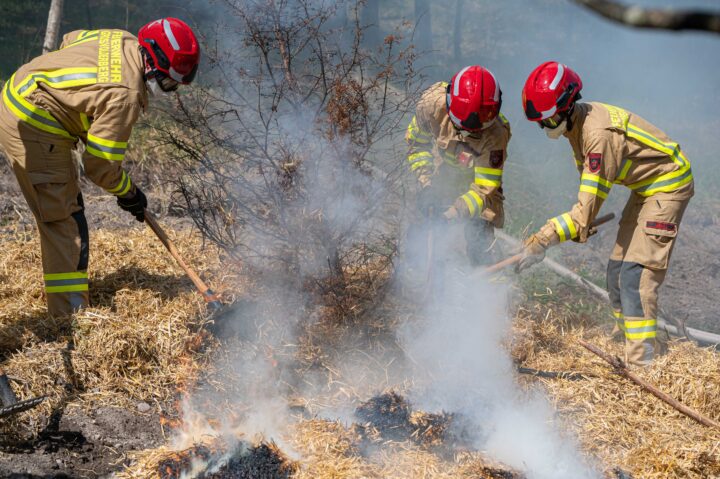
(10, 403)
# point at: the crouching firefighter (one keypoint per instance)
(614, 146)
(91, 90)
(457, 148)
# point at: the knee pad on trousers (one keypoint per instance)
(79, 217)
(613, 283)
(630, 274)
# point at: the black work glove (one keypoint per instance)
(426, 202)
(135, 205)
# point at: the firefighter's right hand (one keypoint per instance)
(425, 202)
(135, 204)
(533, 253)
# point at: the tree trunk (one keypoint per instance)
(457, 32)
(53, 26)
(423, 31)
(370, 21)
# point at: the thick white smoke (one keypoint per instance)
(461, 366)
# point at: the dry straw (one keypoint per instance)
(144, 339)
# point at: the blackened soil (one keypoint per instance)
(85, 445)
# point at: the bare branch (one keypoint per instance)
(664, 19)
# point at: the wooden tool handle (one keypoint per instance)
(165, 240)
(516, 258)
(601, 220)
(621, 368)
(504, 263)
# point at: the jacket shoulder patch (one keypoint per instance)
(594, 162)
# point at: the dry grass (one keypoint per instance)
(141, 340)
(144, 340)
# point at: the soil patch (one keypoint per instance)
(84, 444)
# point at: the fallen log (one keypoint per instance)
(621, 368)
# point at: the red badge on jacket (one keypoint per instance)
(594, 161)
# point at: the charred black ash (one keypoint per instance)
(264, 461)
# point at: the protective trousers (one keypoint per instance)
(637, 268)
(45, 171)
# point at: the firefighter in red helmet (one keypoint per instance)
(91, 91)
(614, 146)
(457, 149)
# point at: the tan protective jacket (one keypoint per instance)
(434, 141)
(93, 89)
(615, 146)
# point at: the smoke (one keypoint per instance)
(461, 366)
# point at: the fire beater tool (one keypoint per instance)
(516, 258)
(620, 368)
(212, 300)
(10, 403)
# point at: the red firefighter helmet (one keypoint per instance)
(473, 98)
(551, 88)
(172, 49)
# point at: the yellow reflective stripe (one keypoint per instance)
(488, 176)
(67, 289)
(415, 133)
(645, 335)
(473, 201)
(618, 314)
(663, 183)
(564, 227)
(31, 114)
(106, 149)
(108, 143)
(418, 164)
(72, 275)
(595, 185)
(80, 42)
(640, 323)
(624, 168)
(59, 79)
(85, 121)
(420, 155)
(640, 328)
(671, 149)
(123, 187)
(503, 119)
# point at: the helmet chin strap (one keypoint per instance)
(154, 88)
(555, 133)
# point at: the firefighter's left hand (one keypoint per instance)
(533, 253)
(135, 204)
(451, 214)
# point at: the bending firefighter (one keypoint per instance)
(92, 90)
(458, 144)
(614, 146)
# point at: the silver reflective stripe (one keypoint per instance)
(65, 282)
(60, 79)
(488, 176)
(30, 113)
(565, 227)
(660, 184)
(595, 184)
(117, 190)
(170, 35)
(644, 329)
(107, 149)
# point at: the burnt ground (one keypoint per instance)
(95, 443)
(83, 445)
